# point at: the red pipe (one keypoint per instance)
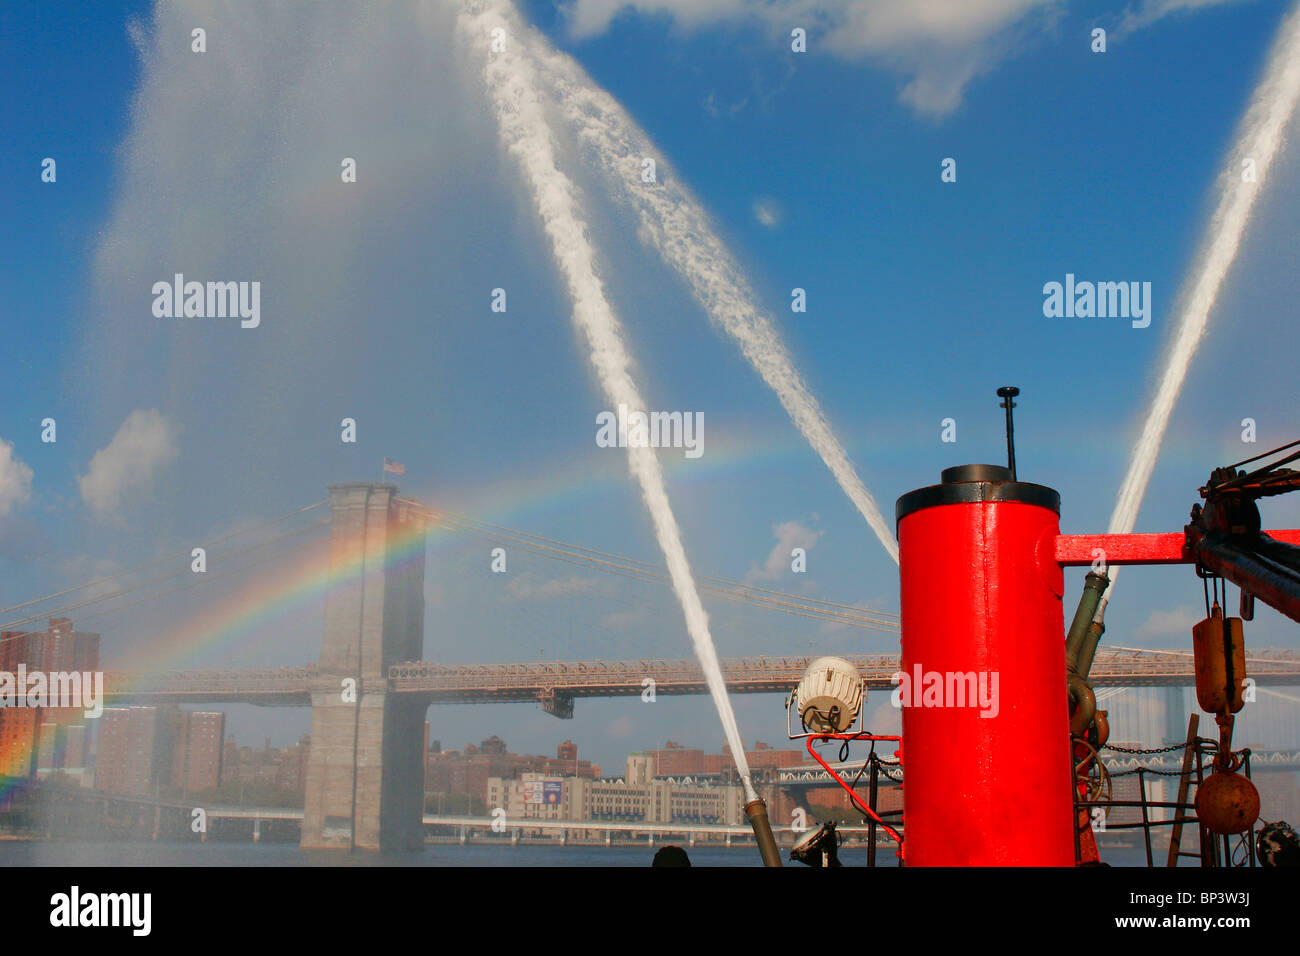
(1164, 548)
(848, 788)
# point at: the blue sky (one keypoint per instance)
(923, 297)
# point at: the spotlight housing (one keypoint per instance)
(828, 699)
(819, 848)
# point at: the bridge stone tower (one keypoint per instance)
(365, 774)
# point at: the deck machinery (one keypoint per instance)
(981, 566)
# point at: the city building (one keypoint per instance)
(637, 797)
(33, 739)
(133, 750)
(282, 771)
(76, 752)
(196, 750)
(463, 775)
(676, 761)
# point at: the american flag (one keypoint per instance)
(396, 468)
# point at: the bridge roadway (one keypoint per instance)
(557, 684)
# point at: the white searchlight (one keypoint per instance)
(828, 699)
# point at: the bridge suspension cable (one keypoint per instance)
(1158, 650)
(465, 520)
(622, 566)
(167, 557)
(62, 609)
(213, 573)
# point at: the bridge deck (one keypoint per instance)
(521, 682)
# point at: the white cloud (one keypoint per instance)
(789, 535)
(144, 443)
(15, 479)
(936, 46)
(1177, 622)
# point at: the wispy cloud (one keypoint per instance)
(935, 46)
(1147, 12)
(768, 213)
(623, 620)
(1177, 622)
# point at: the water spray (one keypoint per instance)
(512, 88)
(1260, 139)
(675, 225)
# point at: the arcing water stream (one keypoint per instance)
(675, 225)
(1260, 139)
(512, 87)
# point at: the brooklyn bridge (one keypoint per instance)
(369, 691)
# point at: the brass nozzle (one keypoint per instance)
(756, 810)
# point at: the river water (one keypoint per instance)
(118, 854)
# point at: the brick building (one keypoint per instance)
(466, 773)
(284, 771)
(196, 757)
(34, 740)
(133, 750)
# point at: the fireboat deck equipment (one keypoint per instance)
(989, 722)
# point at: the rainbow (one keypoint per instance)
(301, 583)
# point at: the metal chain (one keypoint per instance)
(1134, 750)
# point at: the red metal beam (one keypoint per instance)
(1074, 550)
